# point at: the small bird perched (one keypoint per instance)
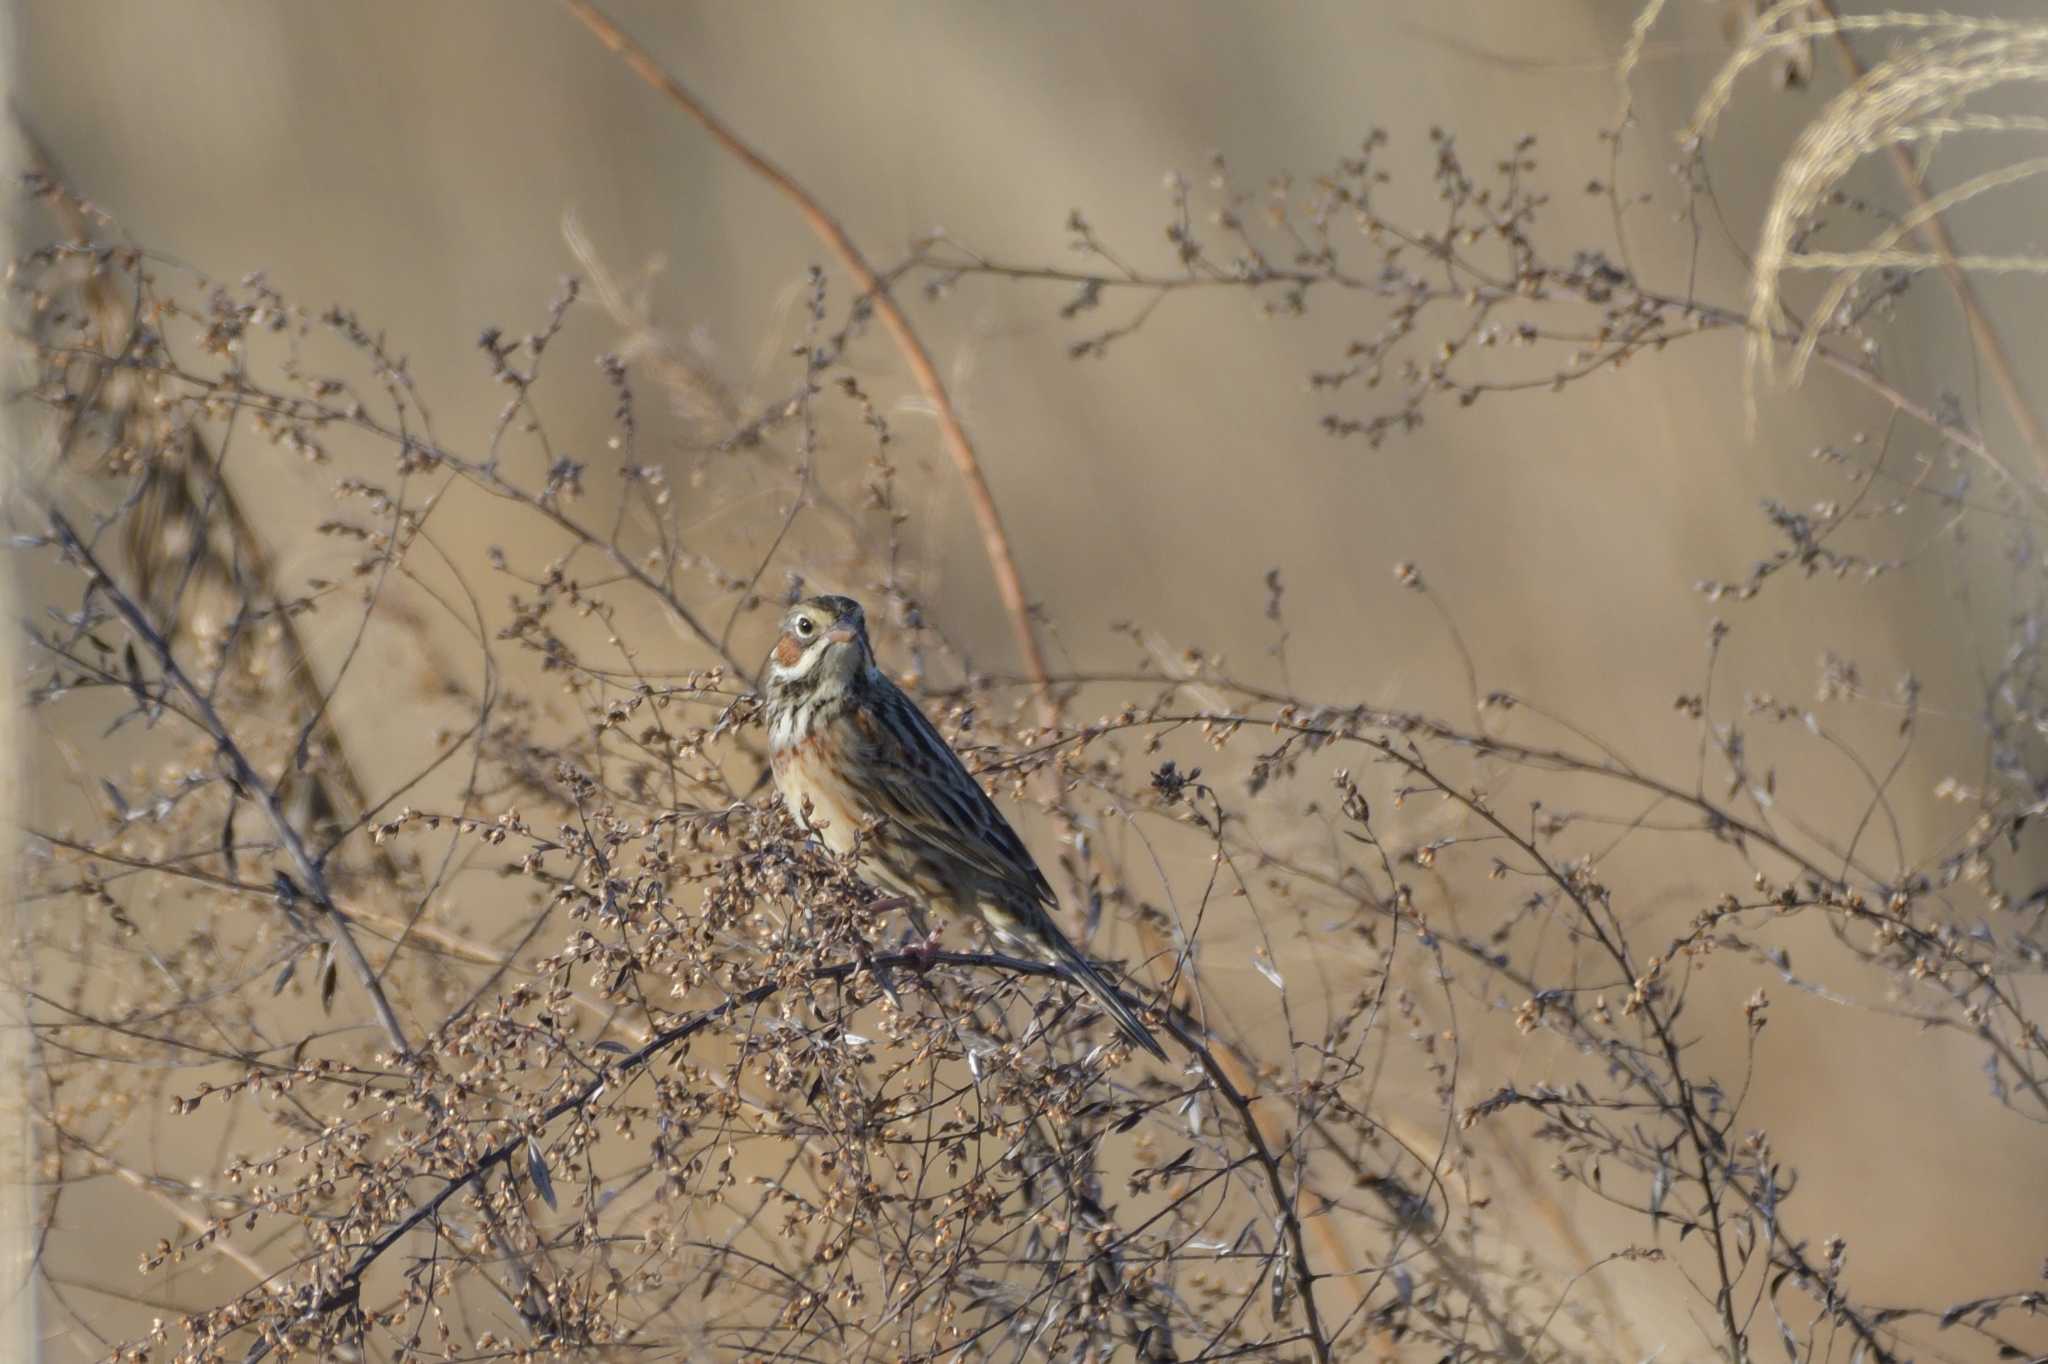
(858, 763)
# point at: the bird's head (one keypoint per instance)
(823, 639)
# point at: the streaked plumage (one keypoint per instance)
(858, 763)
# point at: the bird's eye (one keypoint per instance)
(803, 627)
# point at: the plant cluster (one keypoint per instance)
(552, 1037)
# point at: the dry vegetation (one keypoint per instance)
(567, 1046)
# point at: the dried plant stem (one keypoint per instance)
(180, 464)
(1240, 1101)
(193, 1223)
(1934, 232)
(19, 1245)
(1236, 1070)
(1189, 1034)
(996, 541)
(312, 878)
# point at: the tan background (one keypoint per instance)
(417, 161)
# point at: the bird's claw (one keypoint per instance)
(921, 952)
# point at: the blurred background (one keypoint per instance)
(439, 170)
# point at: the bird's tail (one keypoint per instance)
(1084, 974)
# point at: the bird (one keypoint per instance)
(859, 765)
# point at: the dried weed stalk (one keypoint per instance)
(1930, 91)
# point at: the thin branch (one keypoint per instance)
(312, 877)
(1184, 1030)
(1009, 582)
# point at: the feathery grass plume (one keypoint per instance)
(1915, 99)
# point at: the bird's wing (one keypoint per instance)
(920, 783)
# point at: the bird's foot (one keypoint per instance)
(921, 951)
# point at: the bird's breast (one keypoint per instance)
(816, 788)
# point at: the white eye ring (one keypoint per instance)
(804, 627)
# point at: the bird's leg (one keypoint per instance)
(925, 941)
(881, 974)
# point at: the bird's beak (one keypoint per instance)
(841, 634)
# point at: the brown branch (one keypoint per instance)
(1009, 583)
